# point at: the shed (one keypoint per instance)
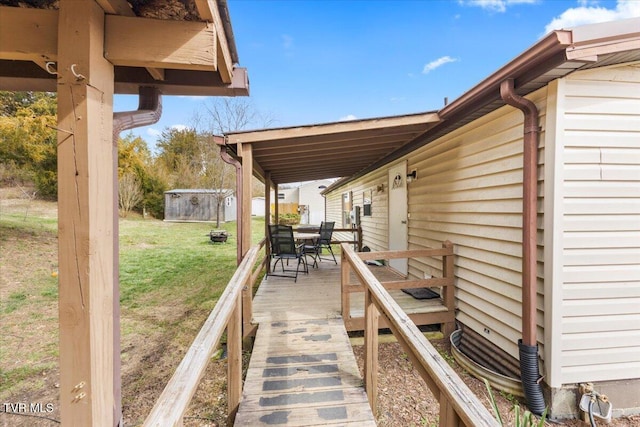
(199, 205)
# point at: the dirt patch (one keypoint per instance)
(405, 400)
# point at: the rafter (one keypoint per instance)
(208, 10)
(140, 42)
(38, 30)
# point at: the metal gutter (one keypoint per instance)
(223, 9)
(528, 345)
(229, 159)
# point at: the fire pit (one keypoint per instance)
(218, 236)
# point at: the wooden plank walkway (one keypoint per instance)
(303, 373)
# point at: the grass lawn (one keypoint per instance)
(171, 276)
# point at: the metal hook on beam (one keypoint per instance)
(49, 70)
(77, 75)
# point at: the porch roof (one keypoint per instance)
(181, 47)
(328, 150)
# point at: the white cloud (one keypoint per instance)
(153, 132)
(347, 118)
(179, 127)
(495, 5)
(585, 14)
(437, 63)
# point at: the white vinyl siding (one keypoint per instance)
(600, 225)
(469, 191)
(375, 226)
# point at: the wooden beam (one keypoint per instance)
(86, 213)
(355, 126)
(28, 34)
(141, 42)
(116, 7)
(208, 10)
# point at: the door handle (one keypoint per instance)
(403, 222)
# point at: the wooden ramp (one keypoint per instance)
(303, 373)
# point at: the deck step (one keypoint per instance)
(303, 373)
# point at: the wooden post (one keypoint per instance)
(267, 216)
(449, 290)
(371, 315)
(86, 211)
(276, 211)
(345, 273)
(448, 416)
(234, 359)
(247, 176)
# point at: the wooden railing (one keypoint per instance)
(443, 312)
(458, 404)
(231, 313)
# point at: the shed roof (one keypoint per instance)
(182, 47)
(352, 149)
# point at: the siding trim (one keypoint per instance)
(553, 231)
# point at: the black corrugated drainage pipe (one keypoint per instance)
(226, 157)
(148, 112)
(528, 345)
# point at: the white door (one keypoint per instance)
(398, 229)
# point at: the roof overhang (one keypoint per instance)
(327, 150)
(192, 55)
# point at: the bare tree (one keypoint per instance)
(222, 115)
(129, 193)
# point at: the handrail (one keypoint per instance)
(446, 318)
(227, 313)
(458, 404)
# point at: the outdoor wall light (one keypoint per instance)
(412, 176)
(380, 188)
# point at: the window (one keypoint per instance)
(367, 196)
(347, 206)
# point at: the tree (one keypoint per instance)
(129, 193)
(29, 141)
(224, 115)
(135, 158)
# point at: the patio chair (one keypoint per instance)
(323, 242)
(283, 247)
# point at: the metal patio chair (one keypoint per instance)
(283, 247)
(323, 242)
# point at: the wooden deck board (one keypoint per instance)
(317, 296)
(303, 372)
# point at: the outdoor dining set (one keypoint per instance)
(286, 245)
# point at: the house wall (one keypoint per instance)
(596, 220)
(375, 227)
(468, 191)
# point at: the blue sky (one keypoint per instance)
(325, 61)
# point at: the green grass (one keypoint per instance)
(171, 276)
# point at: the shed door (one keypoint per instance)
(398, 229)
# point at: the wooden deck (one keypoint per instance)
(302, 369)
(318, 296)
